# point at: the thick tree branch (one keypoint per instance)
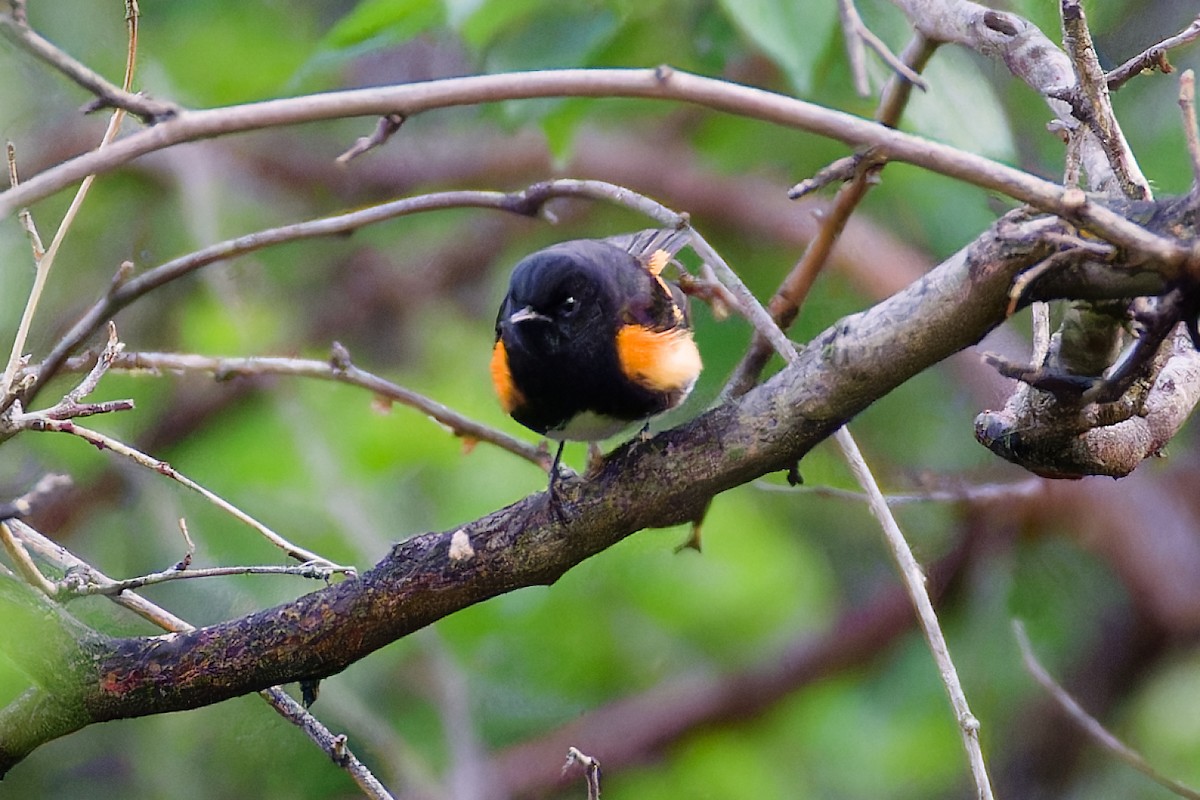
(664, 481)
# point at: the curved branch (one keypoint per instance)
(661, 84)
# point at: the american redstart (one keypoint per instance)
(591, 339)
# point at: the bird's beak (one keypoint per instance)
(526, 314)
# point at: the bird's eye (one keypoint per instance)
(568, 305)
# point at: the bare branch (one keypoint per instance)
(321, 571)
(591, 768)
(37, 421)
(918, 594)
(1098, 111)
(387, 126)
(661, 84)
(1187, 104)
(275, 696)
(24, 564)
(1089, 724)
(340, 369)
(857, 33)
(1154, 57)
(16, 30)
(785, 303)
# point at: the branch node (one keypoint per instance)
(1001, 22)
(339, 358)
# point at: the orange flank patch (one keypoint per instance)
(510, 396)
(662, 361)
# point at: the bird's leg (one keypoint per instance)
(552, 490)
(554, 467)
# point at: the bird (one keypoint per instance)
(591, 339)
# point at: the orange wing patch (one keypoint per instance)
(502, 382)
(662, 361)
(658, 262)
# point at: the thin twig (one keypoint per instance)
(1098, 111)
(339, 368)
(36, 421)
(26, 218)
(914, 582)
(384, 129)
(46, 260)
(789, 297)
(857, 31)
(315, 570)
(333, 746)
(591, 770)
(988, 493)
(1166, 254)
(1187, 104)
(107, 93)
(21, 560)
(1089, 724)
(856, 53)
(1153, 57)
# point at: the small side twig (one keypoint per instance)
(1089, 724)
(108, 95)
(1096, 109)
(386, 127)
(857, 33)
(44, 261)
(1153, 57)
(591, 767)
(36, 421)
(1191, 132)
(839, 171)
(314, 570)
(338, 368)
(24, 505)
(22, 561)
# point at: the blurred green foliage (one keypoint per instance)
(323, 465)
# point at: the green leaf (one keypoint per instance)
(791, 34)
(961, 108)
(398, 20)
(493, 18)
